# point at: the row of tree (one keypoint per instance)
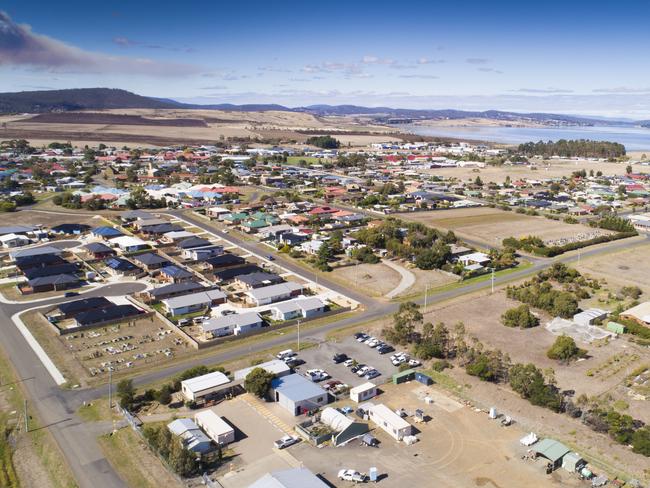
(573, 148)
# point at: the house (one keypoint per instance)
(70, 229)
(106, 232)
(194, 302)
(201, 253)
(236, 324)
(230, 274)
(72, 309)
(297, 394)
(160, 229)
(273, 293)
(99, 250)
(216, 212)
(108, 315)
(176, 236)
(33, 252)
(192, 437)
(474, 258)
(290, 478)
(57, 269)
(54, 283)
(258, 280)
(192, 242)
(363, 392)
(276, 367)
(175, 274)
(639, 314)
(292, 239)
(311, 247)
(13, 240)
(194, 389)
(306, 308)
(121, 267)
(223, 261)
(150, 261)
(215, 427)
(389, 421)
(172, 290)
(141, 223)
(17, 229)
(128, 243)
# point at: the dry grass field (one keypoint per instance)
(371, 279)
(543, 170)
(628, 267)
(490, 226)
(433, 279)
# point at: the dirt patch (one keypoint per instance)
(433, 279)
(371, 279)
(490, 226)
(628, 267)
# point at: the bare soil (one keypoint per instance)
(371, 279)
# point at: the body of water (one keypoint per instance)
(633, 138)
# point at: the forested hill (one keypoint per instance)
(569, 149)
(77, 99)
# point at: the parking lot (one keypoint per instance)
(321, 357)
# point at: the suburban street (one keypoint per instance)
(56, 407)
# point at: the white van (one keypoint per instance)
(285, 354)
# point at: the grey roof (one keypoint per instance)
(310, 303)
(137, 214)
(17, 229)
(188, 286)
(274, 290)
(290, 478)
(59, 279)
(149, 258)
(195, 299)
(296, 387)
(240, 319)
(96, 247)
(35, 251)
(260, 278)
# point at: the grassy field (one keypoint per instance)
(490, 226)
(132, 459)
(371, 279)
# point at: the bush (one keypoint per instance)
(164, 396)
(440, 365)
(565, 349)
(520, 317)
(641, 441)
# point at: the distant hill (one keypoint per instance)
(109, 98)
(77, 99)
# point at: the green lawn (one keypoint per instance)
(296, 159)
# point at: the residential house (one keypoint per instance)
(215, 427)
(121, 267)
(53, 283)
(236, 324)
(172, 290)
(194, 302)
(273, 293)
(106, 232)
(175, 274)
(13, 240)
(108, 315)
(191, 436)
(225, 260)
(99, 250)
(258, 280)
(129, 243)
(150, 261)
(199, 254)
(306, 308)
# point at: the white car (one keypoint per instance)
(285, 441)
(373, 343)
(414, 362)
(364, 370)
(352, 475)
(348, 363)
(399, 360)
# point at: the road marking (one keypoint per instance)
(36, 347)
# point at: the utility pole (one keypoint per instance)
(426, 292)
(298, 334)
(110, 390)
(26, 417)
(492, 279)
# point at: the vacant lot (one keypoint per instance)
(34, 217)
(490, 226)
(105, 118)
(431, 279)
(628, 267)
(371, 279)
(457, 447)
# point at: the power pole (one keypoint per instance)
(492, 279)
(426, 292)
(110, 392)
(298, 334)
(26, 417)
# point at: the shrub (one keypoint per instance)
(258, 382)
(520, 316)
(565, 349)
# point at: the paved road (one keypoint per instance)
(56, 407)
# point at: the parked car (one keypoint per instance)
(373, 373)
(385, 349)
(360, 335)
(294, 362)
(228, 312)
(183, 322)
(317, 375)
(352, 475)
(348, 363)
(363, 337)
(362, 371)
(331, 385)
(414, 362)
(287, 353)
(68, 294)
(339, 357)
(285, 441)
(356, 368)
(270, 257)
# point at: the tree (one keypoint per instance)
(165, 395)
(7, 206)
(258, 382)
(520, 316)
(641, 441)
(404, 323)
(628, 169)
(324, 142)
(565, 349)
(126, 393)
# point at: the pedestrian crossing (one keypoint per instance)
(264, 411)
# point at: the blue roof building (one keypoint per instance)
(298, 394)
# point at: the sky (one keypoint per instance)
(573, 57)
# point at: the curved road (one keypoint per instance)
(56, 407)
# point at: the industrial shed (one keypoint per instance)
(363, 392)
(389, 421)
(290, 478)
(297, 394)
(201, 386)
(275, 366)
(344, 427)
(552, 450)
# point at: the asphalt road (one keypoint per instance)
(56, 406)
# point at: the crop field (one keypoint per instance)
(489, 226)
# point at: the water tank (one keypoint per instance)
(493, 412)
(372, 474)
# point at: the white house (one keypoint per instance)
(274, 366)
(389, 421)
(474, 258)
(232, 324)
(13, 240)
(194, 302)
(128, 243)
(306, 308)
(273, 293)
(215, 427)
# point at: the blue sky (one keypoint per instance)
(570, 57)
